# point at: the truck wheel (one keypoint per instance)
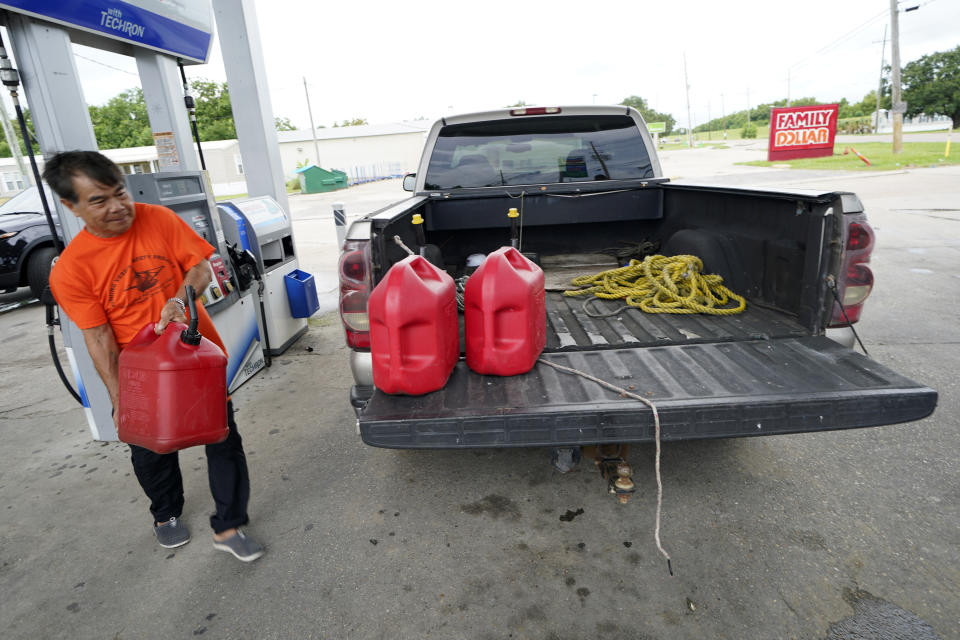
(38, 269)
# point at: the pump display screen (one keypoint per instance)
(175, 187)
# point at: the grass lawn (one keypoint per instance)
(679, 141)
(880, 155)
(231, 196)
(697, 144)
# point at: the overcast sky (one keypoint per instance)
(391, 61)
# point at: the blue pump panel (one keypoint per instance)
(229, 210)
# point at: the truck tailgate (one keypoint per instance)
(712, 390)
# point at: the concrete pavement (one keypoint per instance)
(826, 535)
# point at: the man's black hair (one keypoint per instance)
(60, 170)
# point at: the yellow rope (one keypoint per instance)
(661, 284)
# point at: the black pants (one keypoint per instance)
(159, 475)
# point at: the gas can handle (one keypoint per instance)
(426, 271)
(516, 259)
(145, 336)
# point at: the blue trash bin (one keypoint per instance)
(302, 293)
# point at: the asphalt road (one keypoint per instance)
(848, 534)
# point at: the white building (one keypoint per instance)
(363, 152)
(921, 122)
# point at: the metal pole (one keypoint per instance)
(788, 87)
(710, 125)
(883, 50)
(313, 129)
(686, 83)
(723, 116)
(340, 221)
(14, 144)
(898, 107)
(748, 105)
(191, 105)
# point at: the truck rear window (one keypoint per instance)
(538, 150)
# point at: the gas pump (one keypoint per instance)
(260, 226)
(163, 36)
(234, 314)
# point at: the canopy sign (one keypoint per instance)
(181, 29)
(802, 132)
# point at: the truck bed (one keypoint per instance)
(570, 328)
(715, 390)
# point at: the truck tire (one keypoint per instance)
(38, 269)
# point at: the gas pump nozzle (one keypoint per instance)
(247, 270)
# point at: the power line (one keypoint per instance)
(104, 64)
(840, 40)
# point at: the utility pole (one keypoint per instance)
(313, 129)
(709, 123)
(788, 87)
(898, 106)
(14, 143)
(883, 51)
(723, 115)
(686, 83)
(748, 99)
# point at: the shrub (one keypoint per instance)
(749, 131)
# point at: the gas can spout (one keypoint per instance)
(421, 236)
(513, 214)
(190, 335)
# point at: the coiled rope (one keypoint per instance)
(661, 284)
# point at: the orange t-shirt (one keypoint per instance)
(126, 280)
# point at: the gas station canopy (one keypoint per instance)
(183, 30)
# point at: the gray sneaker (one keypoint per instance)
(172, 534)
(243, 547)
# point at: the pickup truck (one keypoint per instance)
(588, 185)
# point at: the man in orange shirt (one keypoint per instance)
(129, 266)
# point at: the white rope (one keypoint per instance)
(656, 425)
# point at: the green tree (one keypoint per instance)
(932, 85)
(15, 125)
(283, 124)
(649, 114)
(214, 114)
(518, 103)
(350, 123)
(122, 121)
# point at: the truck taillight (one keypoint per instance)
(535, 111)
(355, 285)
(856, 278)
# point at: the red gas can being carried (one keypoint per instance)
(173, 388)
(414, 333)
(504, 314)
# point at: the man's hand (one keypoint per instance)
(171, 312)
(198, 277)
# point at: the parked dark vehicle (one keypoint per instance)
(26, 250)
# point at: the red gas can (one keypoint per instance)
(414, 333)
(173, 395)
(504, 314)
